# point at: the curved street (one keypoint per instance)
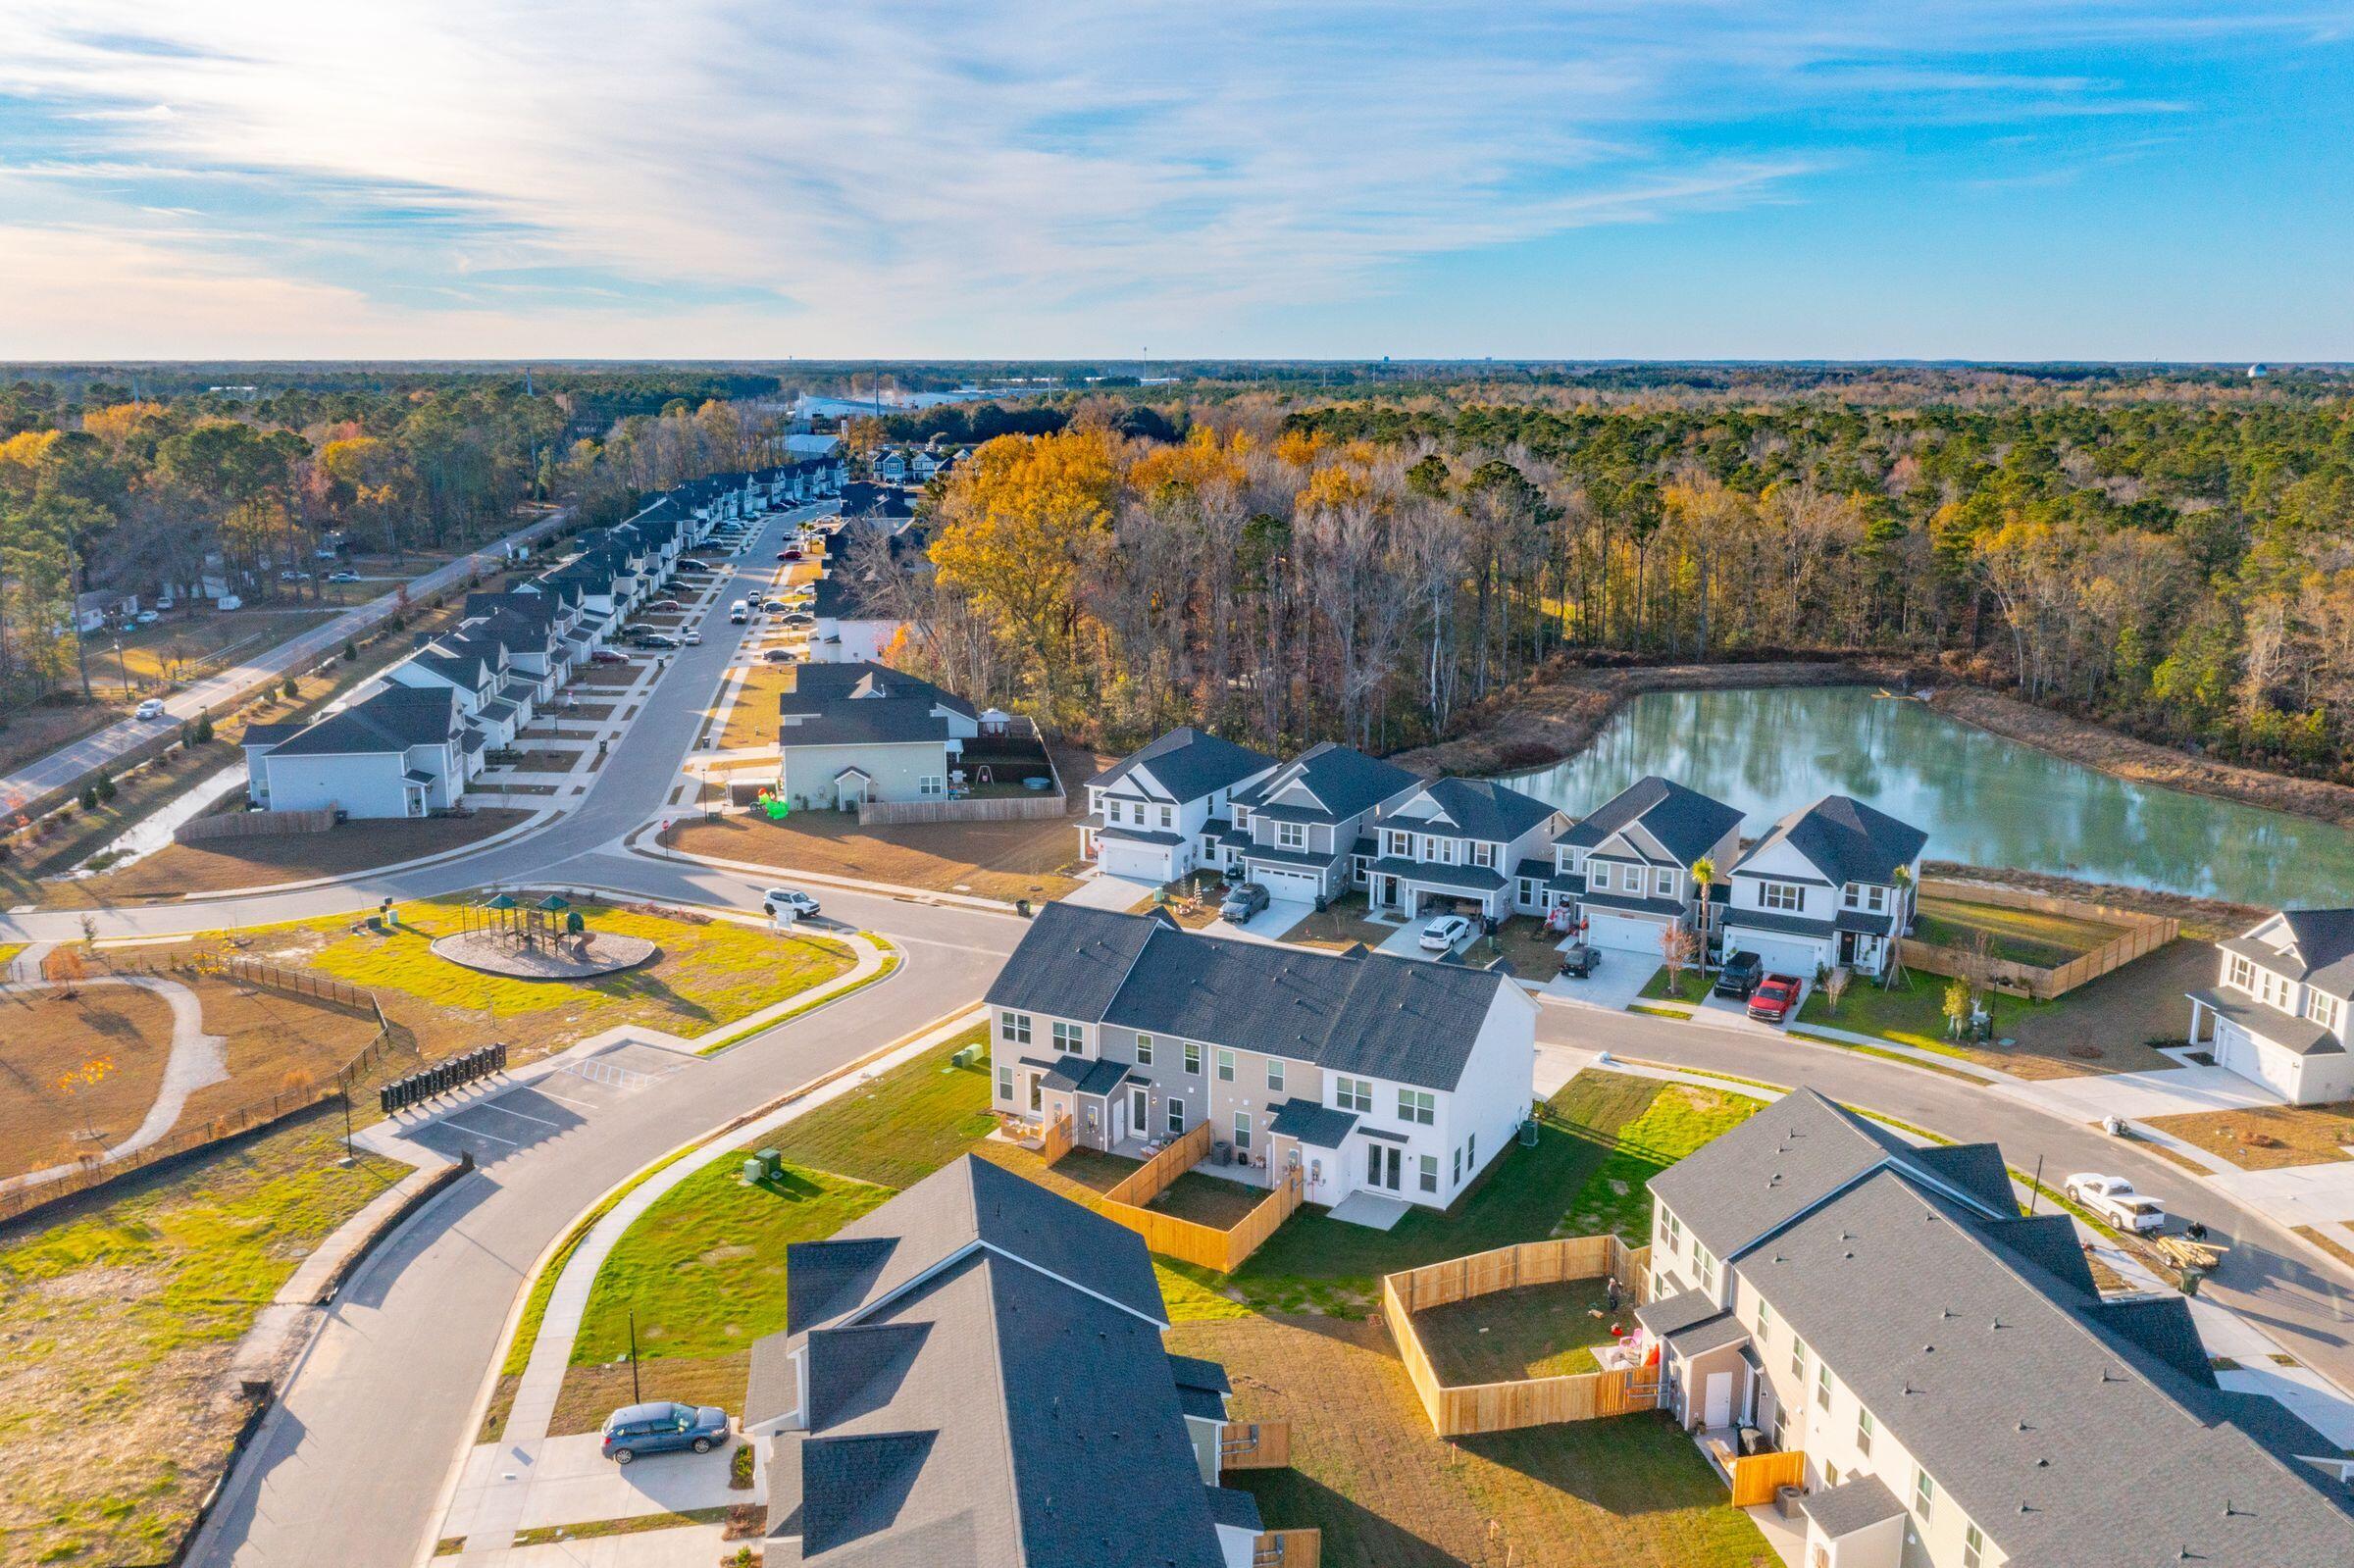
(351, 1466)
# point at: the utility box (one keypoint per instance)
(753, 1170)
(966, 1055)
(771, 1162)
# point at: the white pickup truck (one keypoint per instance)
(2113, 1199)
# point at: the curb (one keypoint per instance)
(545, 817)
(435, 1182)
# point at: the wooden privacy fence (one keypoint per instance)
(1463, 1409)
(1128, 1203)
(1288, 1548)
(1756, 1478)
(1038, 807)
(1156, 1175)
(1255, 1445)
(1054, 1140)
(253, 825)
(2144, 933)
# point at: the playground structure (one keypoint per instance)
(543, 938)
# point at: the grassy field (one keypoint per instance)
(2104, 1027)
(164, 650)
(1008, 860)
(43, 1035)
(268, 860)
(2015, 936)
(121, 1317)
(752, 719)
(1540, 1331)
(1679, 1119)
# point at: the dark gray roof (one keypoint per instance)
(1479, 808)
(2322, 954)
(1672, 1314)
(773, 1387)
(868, 722)
(2300, 1036)
(1777, 920)
(1345, 782)
(1431, 872)
(1846, 839)
(816, 687)
(1190, 763)
(1235, 1508)
(1080, 1074)
(1851, 1506)
(393, 720)
(1631, 903)
(1322, 1126)
(1391, 1018)
(1686, 823)
(983, 1409)
(270, 734)
(1735, 1188)
(1193, 1372)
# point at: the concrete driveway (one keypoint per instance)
(1615, 984)
(1269, 925)
(1406, 941)
(568, 1481)
(2176, 1092)
(1104, 891)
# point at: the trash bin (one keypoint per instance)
(1021, 907)
(2192, 1279)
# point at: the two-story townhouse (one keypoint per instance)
(1626, 871)
(1161, 812)
(1830, 885)
(848, 733)
(1299, 833)
(974, 1374)
(399, 751)
(2278, 1013)
(1960, 1390)
(471, 674)
(1366, 1073)
(1450, 841)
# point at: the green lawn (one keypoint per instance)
(120, 1316)
(1540, 1331)
(2015, 936)
(1912, 1012)
(1691, 986)
(1679, 1119)
(901, 1127)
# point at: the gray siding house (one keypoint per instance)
(1627, 870)
(1300, 832)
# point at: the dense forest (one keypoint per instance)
(104, 485)
(2169, 552)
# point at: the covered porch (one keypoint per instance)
(1412, 888)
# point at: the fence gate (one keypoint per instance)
(1260, 1446)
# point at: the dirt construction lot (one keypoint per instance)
(1033, 860)
(219, 864)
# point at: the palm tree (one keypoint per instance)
(1704, 877)
(1892, 970)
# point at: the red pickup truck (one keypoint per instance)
(1774, 998)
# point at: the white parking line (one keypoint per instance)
(561, 1100)
(475, 1132)
(493, 1105)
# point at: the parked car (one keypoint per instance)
(293, 576)
(790, 901)
(2113, 1199)
(145, 618)
(792, 552)
(1740, 975)
(228, 601)
(1580, 961)
(1442, 933)
(152, 708)
(663, 604)
(657, 640)
(802, 618)
(693, 565)
(662, 1428)
(780, 656)
(1774, 998)
(775, 606)
(1242, 900)
(606, 656)
(345, 576)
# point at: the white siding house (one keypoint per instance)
(2278, 1011)
(1158, 814)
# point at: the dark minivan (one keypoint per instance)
(1740, 975)
(659, 1428)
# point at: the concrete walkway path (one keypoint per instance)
(197, 1061)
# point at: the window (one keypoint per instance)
(1144, 1050)
(1193, 1057)
(1798, 1360)
(1865, 1428)
(1015, 1027)
(1527, 892)
(1823, 1383)
(2322, 1009)
(1242, 815)
(1168, 817)
(1704, 1266)
(1783, 896)
(1925, 1496)
(1291, 835)
(1483, 855)
(1765, 1318)
(1973, 1546)
(1005, 1083)
(1858, 895)
(1401, 843)
(931, 785)
(1225, 1065)
(1037, 1101)
(2243, 973)
(1176, 1115)
(1241, 1130)
(1471, 1151)
(1598, 876)
(1674, 1230)
(1069, 1039)
(1663, 884)
(1352, 1093)
(1431, 1172)
(1418, 1105)
(1274, 1074)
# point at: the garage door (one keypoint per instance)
(2236, 1051)
(1146, 862)
(1299, 885)
(1781, 955)
(1623, 933)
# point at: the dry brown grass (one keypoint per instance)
(591, 1393)
(38, 730)
(2267, 1138)
(1033, 860)
(752, 720)
(1339, 926)
(44, 1035)
(219, 863)
(2328, 1243)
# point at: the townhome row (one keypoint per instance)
(1365, 1073)
(1831, 883)
(409, 742)
(1962, 1392)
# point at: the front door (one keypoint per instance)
(1140, 1112)
(1716, 1406)
(1847, 948)
(1383, 1163)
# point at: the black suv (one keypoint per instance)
(1740, 975)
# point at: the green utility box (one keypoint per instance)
(966, 1056)
(752, 1171)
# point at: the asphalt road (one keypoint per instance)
(68, 764)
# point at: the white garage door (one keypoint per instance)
(1781, 955)
(1299, 885)
(1146, 862)
(2238, 1052)
(1623, 933)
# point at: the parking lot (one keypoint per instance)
(498, 1117)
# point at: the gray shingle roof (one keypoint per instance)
(393, 720)
(868, 722)
(2323, 951)
(1432, 874)
(1391, 1018)
(1322, 1126)
(1735, 1188)
(1686, 823)
(1845, 840)
(1188, 764)
(2300, 1036)
(1345, 782)
(816, 687)
(1478, 808)
(1850, 1506)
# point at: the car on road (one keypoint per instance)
(789, 900)
(1774, 998)
(1739, 974)
(1442, 933)
(607, 656)
(291, 576)
(146, 617)
(693, 640)
(346, 576)
(2113, 1199)
(152, 708)
(1242, 900)
(662, 1428)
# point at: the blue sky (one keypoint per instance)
(2073, 178)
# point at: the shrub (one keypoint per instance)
(289, 687)
(105, 787)
(351, 650)
(89, 798)
(204, 729)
